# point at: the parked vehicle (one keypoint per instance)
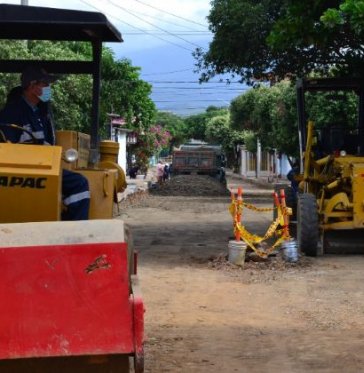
(199, 160)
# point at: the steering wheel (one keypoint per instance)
(35, 141)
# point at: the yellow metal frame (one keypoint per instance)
(30, 183)
(340, 196)
(31, 179)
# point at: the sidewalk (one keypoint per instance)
(135, 185)
(260, 182)
(251, 186)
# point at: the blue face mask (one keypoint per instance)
(46, 94)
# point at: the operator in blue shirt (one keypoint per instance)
(27, 107)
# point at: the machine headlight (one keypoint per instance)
(71, 155)
(342, 153)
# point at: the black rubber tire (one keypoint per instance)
(307, 224)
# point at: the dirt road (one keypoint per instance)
(203, 315)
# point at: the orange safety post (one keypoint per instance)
(235, 210)
(285, 215)
(276, 201)
(238, 211)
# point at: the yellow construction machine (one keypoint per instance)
(69, 289)
(330, 201)
(30, 178)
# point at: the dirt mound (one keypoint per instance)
(261, 271)
(191, 185)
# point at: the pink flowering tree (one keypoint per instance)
(150, 143)
(161, 137)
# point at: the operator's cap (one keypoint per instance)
(36, 74)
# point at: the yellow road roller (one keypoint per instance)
(71, 301)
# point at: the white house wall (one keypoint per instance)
(122, 150)
(251, 164)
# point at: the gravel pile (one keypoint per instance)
(273, 268)
(190, 185)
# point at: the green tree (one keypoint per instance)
(327, 109)
(240, 110)
(270, 114)
(284, 120)
(252, 112)
(175, 125)
(125, 93)
(196, 124)
(239, 44)
(350, 13)
(270, 39)
(219, 131)
(122, 89)
(11, 49)
(312, 44)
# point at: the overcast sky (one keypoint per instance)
(146, 24)
(159, 37)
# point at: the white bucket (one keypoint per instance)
(290, 250)
(237, 251)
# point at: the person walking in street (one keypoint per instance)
(160, 172)
(166, 172)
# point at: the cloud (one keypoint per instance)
(159, 37)
(145, 23)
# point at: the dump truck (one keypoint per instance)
(330, 200)
(199, 160)
(71, 299)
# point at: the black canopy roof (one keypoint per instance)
(325, 85)
(331, 84)
(40, 23)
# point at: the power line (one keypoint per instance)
(171, 14)
(157, 27)
(194, 100)
(187, 89)
(165, 21)
(215, 89)
(167, 72)
(187, 108)
(184, 33)
(193, 81)
(177, 31)
(176, 93)
(136, 28)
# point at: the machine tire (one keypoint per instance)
(307, 224)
